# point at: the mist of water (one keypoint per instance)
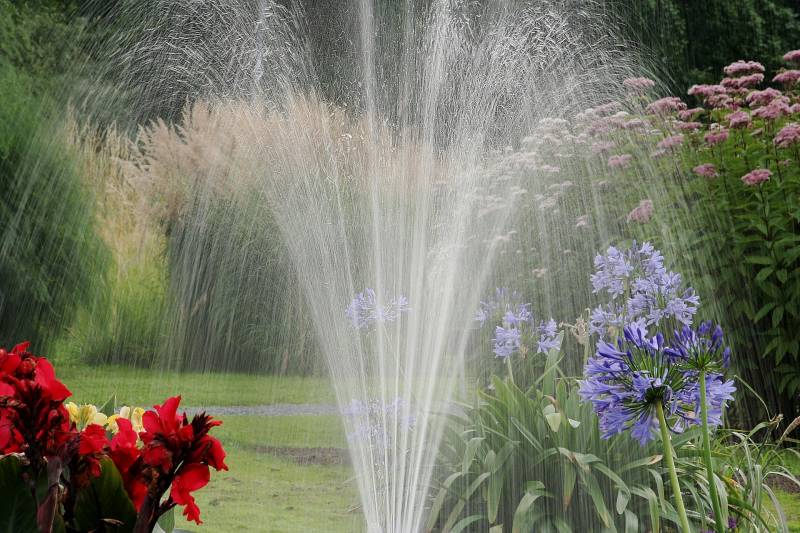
(398, 168)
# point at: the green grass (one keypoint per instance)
(142, 387)
(262, 492)
(269, 494)
(282, 431)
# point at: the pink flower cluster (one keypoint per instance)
(742, 68)
(638, 85)
(707, 170)
(792, 57)
(620, 161)
(666, 105)
(739, 119)
(787, 77)
(642, 212)
(756, 177)
(714, 137)
(673, 141)
(788, 136)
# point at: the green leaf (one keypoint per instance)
(109, 407)
(167, 521)
(763, 311)
(104, 505)
(554, 421)
(17, 508)
(759, 259)
(777, 315)
(764, 273)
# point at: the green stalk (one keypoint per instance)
(712, 486)
(673, 475)
(510, 372)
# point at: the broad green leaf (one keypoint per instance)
(103, 504)
(17, 508)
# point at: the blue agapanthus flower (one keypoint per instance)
(517, 327)
(365, 309)
(506, 341)
(640, 290)
(702, 348)
(627, 380)
(508, 305)
(548, 337)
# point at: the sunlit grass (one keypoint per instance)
(148, 387)
(269, 494)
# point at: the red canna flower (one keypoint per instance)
(177, 452)
(191, 477)
(126, 456)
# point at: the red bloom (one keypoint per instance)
(179, 451)
(126, 457)
(190, 478)
(93, 440)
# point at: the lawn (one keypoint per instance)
(287, 473)
(148, 387)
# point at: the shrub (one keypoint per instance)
(48, 240)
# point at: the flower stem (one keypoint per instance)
(712, 485)
(510, 372)
(673, 475)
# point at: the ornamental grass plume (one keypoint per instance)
(756, 177)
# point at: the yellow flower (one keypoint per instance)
(111, 423)
(73, 412)
(83, 415)
(136, 419)
(133, 414)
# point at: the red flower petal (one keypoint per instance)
(21, 347)
(92, 440)
(6, 390)
(46, 377)
(190, 478)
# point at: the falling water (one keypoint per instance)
(396, 171)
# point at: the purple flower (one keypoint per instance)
(548, 337)
(365, 309)
(626, 382)
(506, 341)
(651, 294)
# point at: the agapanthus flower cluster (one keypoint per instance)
(628, 379)
(639, 290)
(366, 309)
(517, 329)
(377, 423)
